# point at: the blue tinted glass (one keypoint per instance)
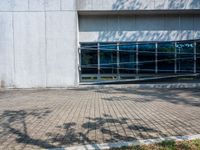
(108, 46)
(198, 47)
(185, 47)
(166, 63)
(127, 46)
(185, 63)
(88, 46)
(127, 57)
(147, 47)
(167, 47)
(198, 56)
(89, 60)
(166, 57)
(114, 57)
(185, 57)
(108, 58)
(146, 58)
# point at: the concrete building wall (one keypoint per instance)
(38, 43)
(137, 4)
(6, 50)
(160, 27)
(39, 38)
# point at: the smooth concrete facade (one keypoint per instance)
(38, 43)
(39, 38)
(153, 27)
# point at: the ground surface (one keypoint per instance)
(59, 118)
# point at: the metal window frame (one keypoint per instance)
(195, 57)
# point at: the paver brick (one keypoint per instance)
(35, 119)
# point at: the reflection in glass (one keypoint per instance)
(198, 56)
(108, 58)
(146, 58)
(127, 58)
(89, 60)
(166, 57)
(119, 60)
(185, 57)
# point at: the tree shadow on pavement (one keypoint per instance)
(13, 122)
(111, 129)
(187, 97)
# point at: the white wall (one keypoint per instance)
(6, 50)
(139, 27)
(38, 43)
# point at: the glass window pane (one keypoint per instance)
(198, 57)
(166, 47)
(146, 58)
(108, 58)
(166, 57)
(185, 57)
(127, 57)
(89, 60)
(185, 47)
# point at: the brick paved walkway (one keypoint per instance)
(59, 118)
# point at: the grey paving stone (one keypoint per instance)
(35, 119)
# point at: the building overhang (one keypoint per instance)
(137, 12)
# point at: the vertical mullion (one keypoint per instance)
(80, 66)
(156, 57)
(98, 57)
(195, 58)
(137, 59)
(118, 74)
(175, 57)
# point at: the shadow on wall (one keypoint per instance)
(149, 4)
(128, 5)
(195, 4)
(144, 36)
(140, 28)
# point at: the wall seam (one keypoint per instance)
(77, 62)
(193, 17)
(45, 18)
(14, 59)
(28, 5)
(180, 29)
(60, 5)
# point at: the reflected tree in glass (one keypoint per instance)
(185, 57)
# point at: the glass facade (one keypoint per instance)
(108, 58)
(198, 56)
(146, 58)
(185, 57)
(166, 57)
(130, 60)
(127, 58)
